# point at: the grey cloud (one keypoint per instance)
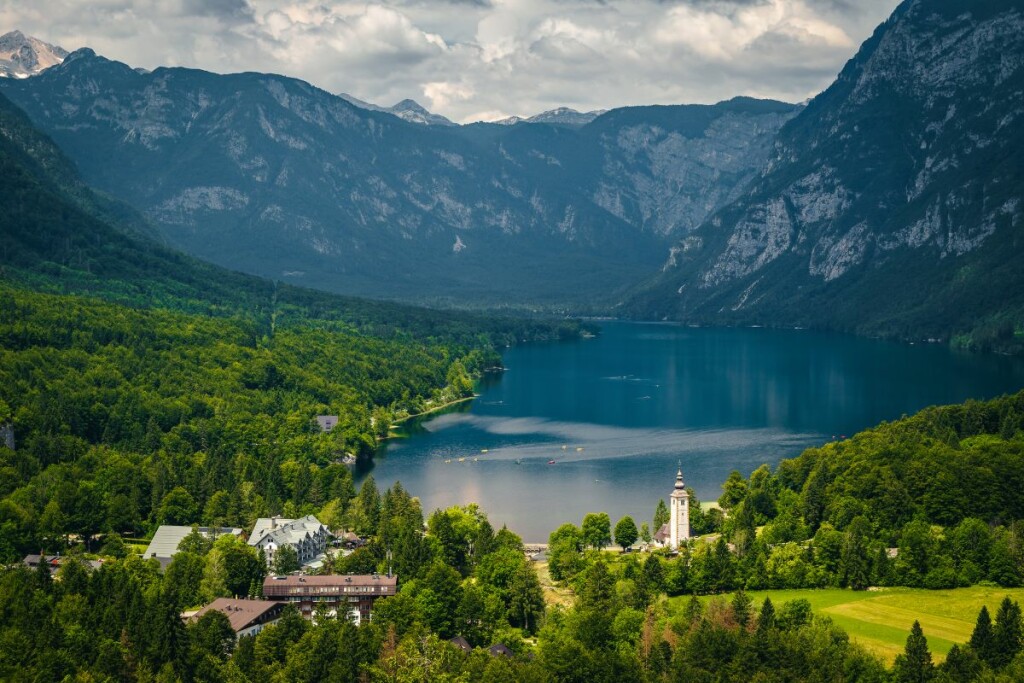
(224, 9)
(479, 58)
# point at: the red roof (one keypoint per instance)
(241, 613)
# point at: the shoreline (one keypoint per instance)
(382, 439)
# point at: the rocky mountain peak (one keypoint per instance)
(22, 56)
(411, 106)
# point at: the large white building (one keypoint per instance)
(307, 535)
(677, 530)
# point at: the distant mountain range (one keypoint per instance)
(407, 110)
(893, 204)
(413, 112)
(273, 176)
(561, 115)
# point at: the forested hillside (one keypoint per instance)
(933, 500)
(185, 379)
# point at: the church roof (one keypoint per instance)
(662, 534)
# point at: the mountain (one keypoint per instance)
(22, 56)
(892, 204)
(407, 110)
(561, 115)
(411, 111)
(272, 176)
(60, 237)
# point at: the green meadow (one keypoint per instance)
(880, 619)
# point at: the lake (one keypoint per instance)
(618, 412)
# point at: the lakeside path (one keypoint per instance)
(435, 409)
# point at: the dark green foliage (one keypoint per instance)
(1006, 634)
(626, 533)
(661, 515)
(982, 643)
(915, 664)
(286, 560)
(597, 529)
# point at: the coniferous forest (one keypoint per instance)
(141, 387)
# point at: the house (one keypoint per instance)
(307, 535)
(347, 594)
(326, 422)
(247, 617)
(351, 541)
(32, 562)
(54, 563)
(462, 644)
(168, 537)
(499, 650)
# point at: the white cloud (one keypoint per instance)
(472, 58)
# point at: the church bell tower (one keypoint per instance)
(679, 511)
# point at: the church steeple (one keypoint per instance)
(679, 511)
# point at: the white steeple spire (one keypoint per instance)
(679, 512)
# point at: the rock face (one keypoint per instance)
(893, 203)
(273, 176)
(22, 56)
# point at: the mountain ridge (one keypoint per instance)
(274, 176)
(889, 204)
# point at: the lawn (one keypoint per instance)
(880, 619)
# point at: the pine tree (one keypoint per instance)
(1006, 634)
(694, 610)
(961, 664)
(915, 664)
(981, 638)
(741, 608)
(766, 618)
(661, 515)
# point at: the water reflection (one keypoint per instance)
(642, 396)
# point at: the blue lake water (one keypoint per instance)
(617, 413)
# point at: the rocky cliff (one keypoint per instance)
(894, 203)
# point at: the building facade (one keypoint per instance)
(679, 513)
(247, 617)
(307, 535)
(677, 531)
(347, 594)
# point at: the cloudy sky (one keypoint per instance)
(482, 59)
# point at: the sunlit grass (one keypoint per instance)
(880, 619)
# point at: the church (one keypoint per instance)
(677, 530)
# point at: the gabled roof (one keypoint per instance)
(168, 537)
(326, 422)
(461, 643)
(662, 534)
(241, 613)
(499, 650)
(285, 531)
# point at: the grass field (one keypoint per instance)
(880, 620)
